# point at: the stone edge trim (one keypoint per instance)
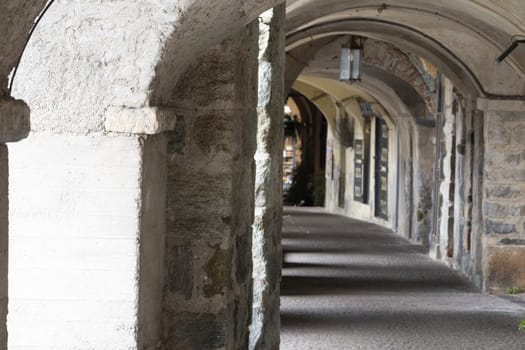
(488, 105)
(15, 123)
(146, 120)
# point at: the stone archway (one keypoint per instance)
(101, 78)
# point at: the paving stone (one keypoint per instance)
(354, 285)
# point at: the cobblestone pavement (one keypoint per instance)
(352, 285)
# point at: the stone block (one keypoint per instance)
(180, 271)
(517, 210)
(515, 159)
(198, 331)
(518, 136)
(511, 117)
(499, 227)
(511, 241)
(498, 135)
(14, 120)
(502, 108)
(218, 272)
(504, 267)
(497, 210)
(509, 174)
(213, 134)
(503, 192)
(148, 120)
(494, 158)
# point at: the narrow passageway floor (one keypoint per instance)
(353, 285)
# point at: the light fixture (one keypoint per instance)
(351, 55)
(512, 47)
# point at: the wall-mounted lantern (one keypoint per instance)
(516, 40)
(351, 55)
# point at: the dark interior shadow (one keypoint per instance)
(457, 320)
(320, 285)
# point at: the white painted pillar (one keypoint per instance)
(87, 237)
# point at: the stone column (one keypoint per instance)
(422, 183)
(447, 176)
(88, 235)
(267, 251)
(211, 171)
(503, 194)
(14, 126)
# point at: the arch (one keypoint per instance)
(377, 56)
(415, 146)
(92, 73)
(476, 33)
(125, 60)
(16, 21)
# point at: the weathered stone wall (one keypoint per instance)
(340, 186)
(424, 140)
(4, 243)
(504, 200)
(394, 61)
(267, 251)
(478, 168)
(211, 172)
(469, 148)
(405, 170)
(416, 154)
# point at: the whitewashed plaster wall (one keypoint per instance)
(352, 208)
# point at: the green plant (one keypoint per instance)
(514, 290)
(521, 326)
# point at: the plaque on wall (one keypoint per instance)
(358, 170)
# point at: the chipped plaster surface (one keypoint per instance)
(94, 54)
(16, 20)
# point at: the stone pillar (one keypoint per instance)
(504, 194)
(447, 175)
(478, 160)
(423, 163)
(267, 251)
(211, 171)
(14, 126)
(87, 236)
